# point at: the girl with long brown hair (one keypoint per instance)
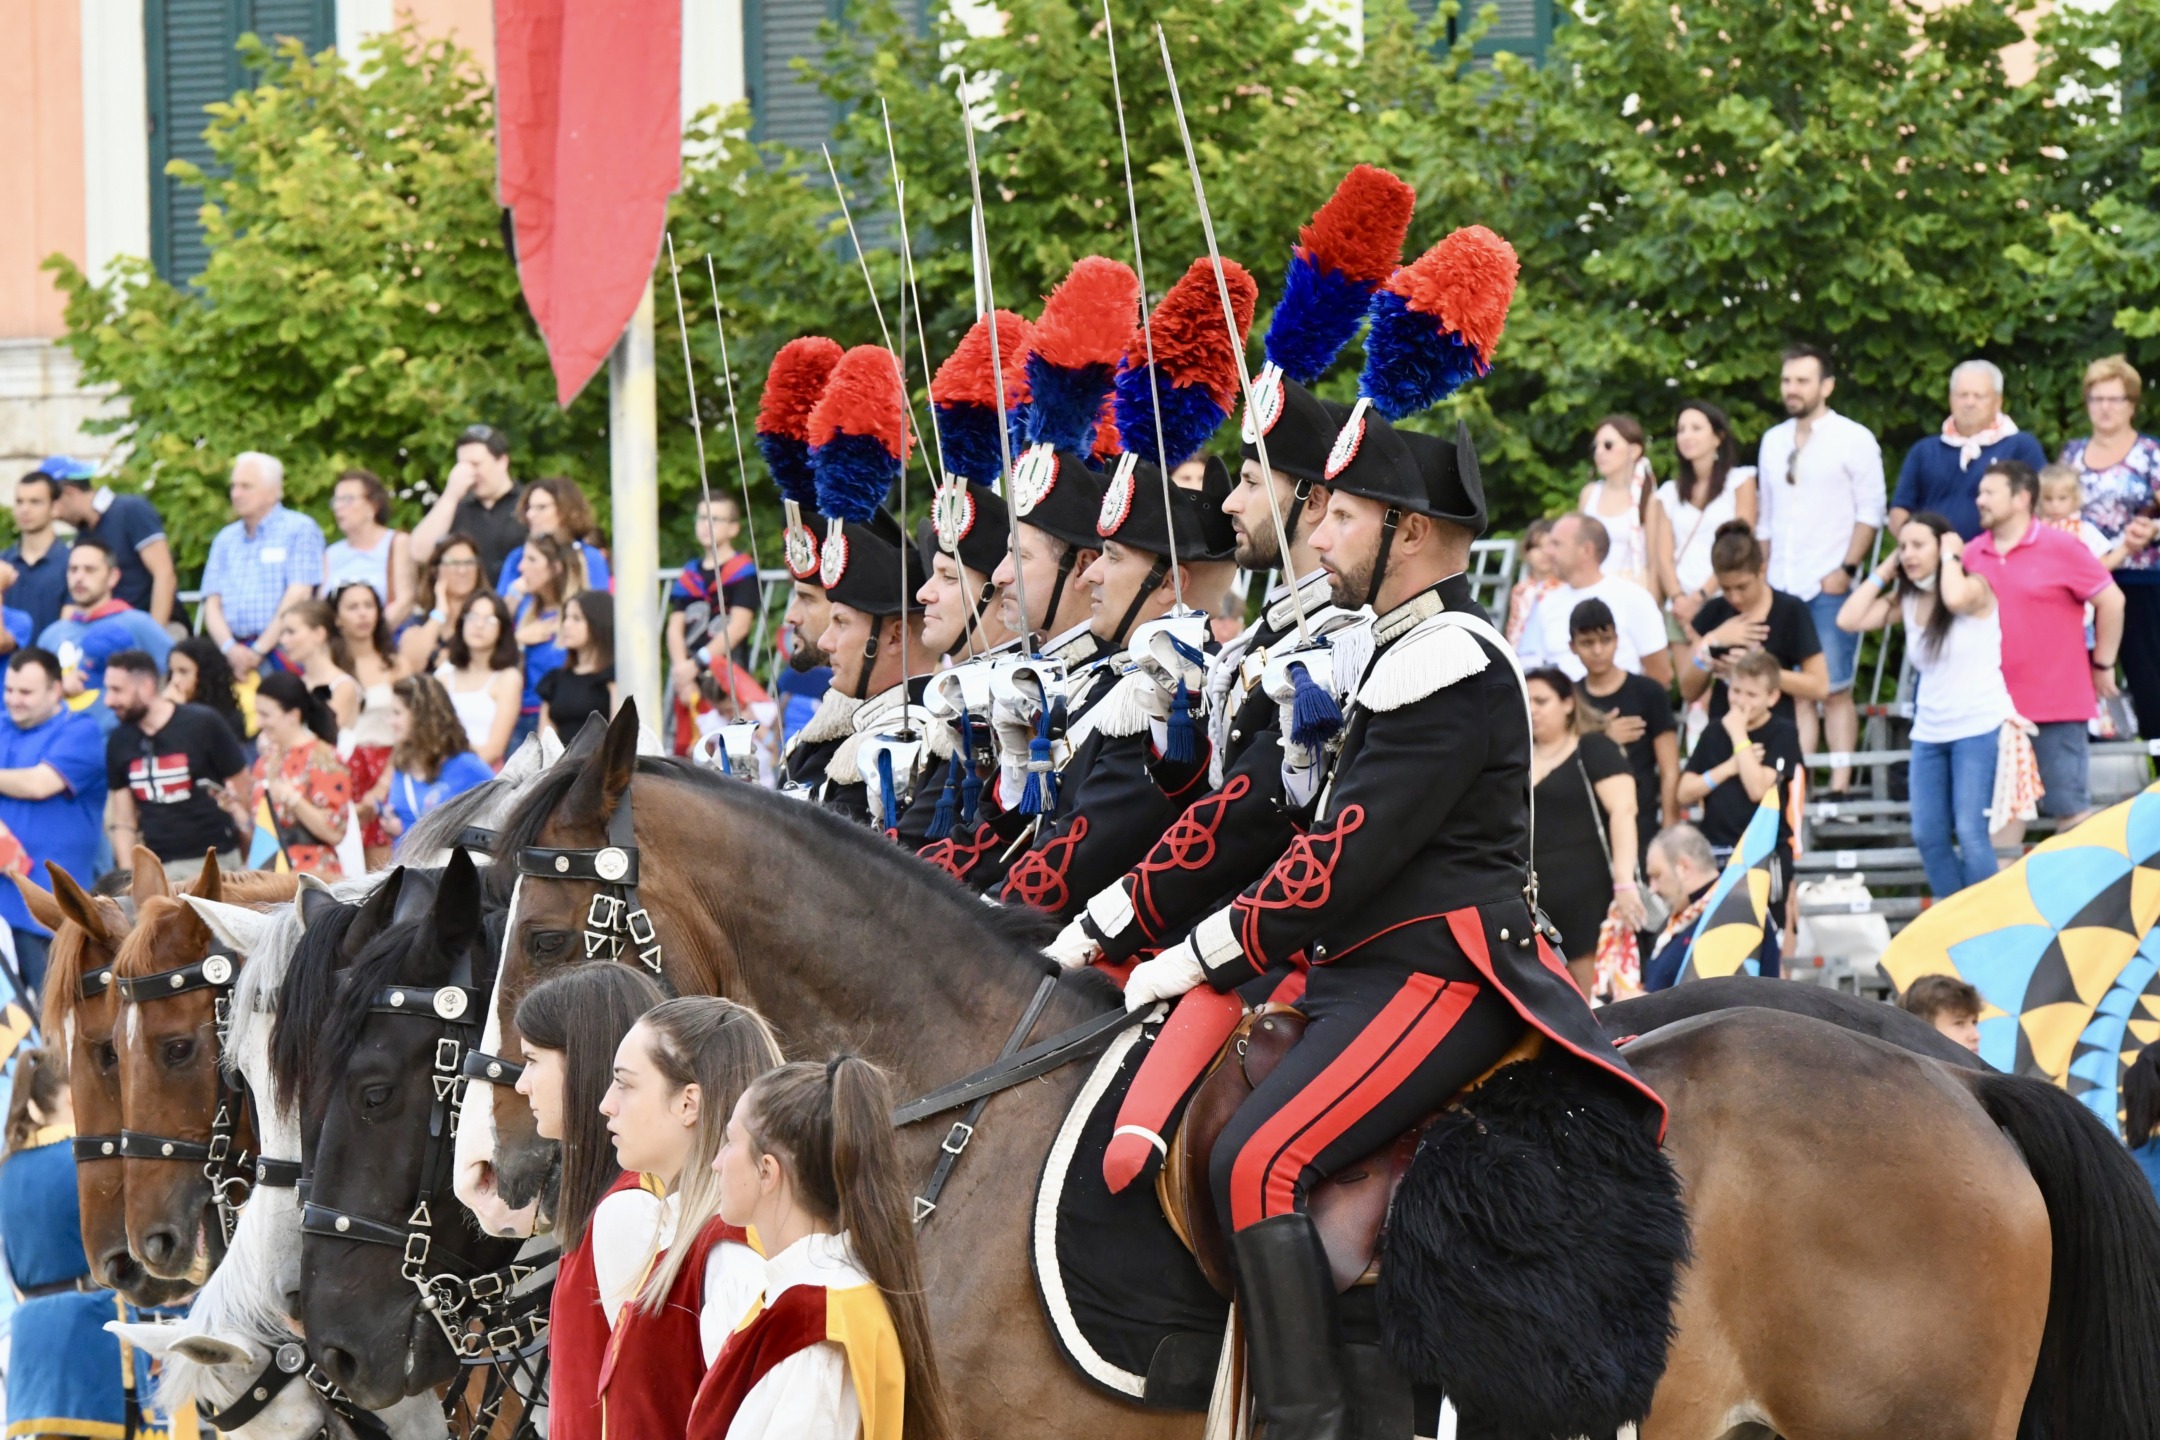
(570, 1025)
(548, 576)
(431, 761)
(449, 580)
(840, 1343)
(311, 651)
(556, 508)
(363, 650)
(677, 1275)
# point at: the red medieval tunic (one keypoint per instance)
(655, 1359)
(578, 1337)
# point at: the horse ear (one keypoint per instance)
(457, 901)
(74, 903)
(587, 739)
(315, 901)
(152, 1340)
(149, 880)
(375, 916)
(600, 784)
(216, 1351)
(551, 746)
(43, 908)
(234, 925)
(209, 885)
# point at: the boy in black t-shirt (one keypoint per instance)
(1641, 718)
(1743, 755)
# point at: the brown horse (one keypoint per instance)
(1873, 1258)
(172, 1084)
(87, 932)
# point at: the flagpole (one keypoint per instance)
(634, 472)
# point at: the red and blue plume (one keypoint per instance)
(1436, 321)
(792, 387)
(1196, 375)
(858, 434)
(966, 396)
(1353, 244)
(1075, 350)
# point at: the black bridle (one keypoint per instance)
(95, 1147)
(286, 1364)
(231, 1172)
(451, 1289)
(616, 914)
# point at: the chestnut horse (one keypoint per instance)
(87, 933)
(1873, 1256)
(173, 1085)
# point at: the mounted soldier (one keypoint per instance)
(1407, 894)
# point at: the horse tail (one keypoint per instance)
(2096, 1379)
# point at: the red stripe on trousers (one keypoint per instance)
(1376, 1063)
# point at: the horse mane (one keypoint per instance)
(64, 967)
(1019, 931)
(257, 887)
(261, 982)
(345, 1001)
(437, 831)
(304, 999)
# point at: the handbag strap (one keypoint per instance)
(1597, 807)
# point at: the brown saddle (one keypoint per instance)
(1349, 1208)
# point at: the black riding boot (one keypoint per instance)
(1293, 1335)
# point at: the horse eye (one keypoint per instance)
(179, 1052)
(108, 1056)
(547, 944)
(374, 1097)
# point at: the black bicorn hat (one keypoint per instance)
(1299, 427)
(967, 520)
(1132, 512)
(1057, 492)
(870, 567)
(1405, 470)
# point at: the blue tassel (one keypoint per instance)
(1314, 716)
(1039, 795)
(891, 796)
(964, 767)
(941, 820)
(1178, 743)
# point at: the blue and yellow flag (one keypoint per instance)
(1729, 936)
(2063, 950)
(266, 851)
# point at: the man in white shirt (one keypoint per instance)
(1819, 482)
(1579, 544)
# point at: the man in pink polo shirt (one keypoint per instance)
(2043, 579)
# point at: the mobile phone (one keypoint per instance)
(216, 791)
(1720, 651)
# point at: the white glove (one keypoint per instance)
(1300, 769)
(1165, 977)
(1073, 947)
(1014, 724)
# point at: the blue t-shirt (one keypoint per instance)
(596, 569)
(40, 589)
(99, 640)
(1932, 479)
(540, 660)
(19, 625)
(411, 797)
(799, 692)
(66, 828)
(127, 523)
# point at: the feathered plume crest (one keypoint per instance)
(966, 397)
(792, 387)
(858, 434)
(1436, 321)
(1108, 445)
(1353, 243)
(1076, 346)
(1196, 375)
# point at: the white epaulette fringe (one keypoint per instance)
(1430, 658)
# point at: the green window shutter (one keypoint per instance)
(787, 108)
(1522, 27)
(192, 63)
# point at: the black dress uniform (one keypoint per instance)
(1118, 793)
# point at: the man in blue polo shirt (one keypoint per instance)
(52, 793)
(131, 528)
(39, 556)
(1942, 473)
(267, 559)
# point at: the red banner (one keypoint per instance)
(589, 128)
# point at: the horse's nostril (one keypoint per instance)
(121, 1271)
(338, 1365)
(159, 1246)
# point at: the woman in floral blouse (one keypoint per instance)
(2120, 470)
(309, 788)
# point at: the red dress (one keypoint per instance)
(654, 1360)
(578, 1339)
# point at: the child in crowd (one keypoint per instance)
(1539, 579)
(2062, 506)
(840, 1343)
(1742, 756)
(1947, 1003)
(1638, 717)
(679, 1074)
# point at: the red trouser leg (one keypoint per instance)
(1382, 1050)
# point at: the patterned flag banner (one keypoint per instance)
(1728, 939)
(2063, 950)
(265, 850)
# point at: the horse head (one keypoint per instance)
(385, 1253)
(87, 932)
(187, 1124)
(506, 1172)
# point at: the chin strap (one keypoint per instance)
(869, 658)
(1155, 575)
(958, 649)
(1379, 566)
(1064, 573)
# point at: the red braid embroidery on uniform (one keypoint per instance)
(1187, 845)
(1038, 877)
(791, 1324)
(1304, 879)
(958, 854)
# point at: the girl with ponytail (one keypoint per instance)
(686, 1275)
(839, 1344)
(570, 1025)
